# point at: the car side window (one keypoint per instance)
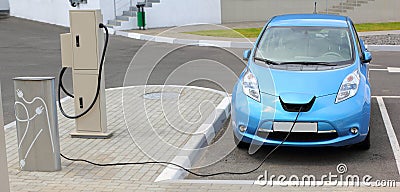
(357, 41)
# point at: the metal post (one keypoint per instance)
(4, 182)
(37, 126)
(315, 7)
(115, 11)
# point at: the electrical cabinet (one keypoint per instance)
(66, 50)
(95, 120)
(87, 39)
(82, 50)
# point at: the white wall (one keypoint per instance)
(261, 10)
(4, 5)
(183, 12)
(122, 5)
(56, 11)
(107, 9)
(166, 13)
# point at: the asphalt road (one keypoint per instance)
(378, 162)
(29, 48)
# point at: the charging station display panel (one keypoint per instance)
(86, 39)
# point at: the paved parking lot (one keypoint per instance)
(32, 49)
(378, 162)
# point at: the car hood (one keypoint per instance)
(303, 85)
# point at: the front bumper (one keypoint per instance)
(334, 119)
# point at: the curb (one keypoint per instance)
(170, 40)
(224, 44)
(383, 47)
(197, 143)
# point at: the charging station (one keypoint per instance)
(81, 50)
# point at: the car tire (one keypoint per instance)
(241, 144)
(366, 144)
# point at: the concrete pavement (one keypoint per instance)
(147, 127)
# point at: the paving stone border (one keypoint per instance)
(197, 143)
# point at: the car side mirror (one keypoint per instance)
(367, 57)
(246, 54)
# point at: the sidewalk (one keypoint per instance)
(180, 32)
(178, 35)
(150, 129)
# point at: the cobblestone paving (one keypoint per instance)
(390, 39)
(144, 130)
(153, 129)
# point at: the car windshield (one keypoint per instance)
(305, 45)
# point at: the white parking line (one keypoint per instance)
(390, 132)
(381, 69)
(393, 69)
(388, 97)
(388, 69)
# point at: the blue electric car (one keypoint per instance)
(313, 66)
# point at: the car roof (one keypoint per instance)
(309, 20)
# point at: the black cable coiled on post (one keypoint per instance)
(61, 85)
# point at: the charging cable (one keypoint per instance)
(61, 85)
(190, 171)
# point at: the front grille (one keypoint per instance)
(299, 137)
(296, 107)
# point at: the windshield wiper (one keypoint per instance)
(267, 61)
(308, 63)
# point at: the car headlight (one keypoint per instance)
(349, 86)
(250, 86)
